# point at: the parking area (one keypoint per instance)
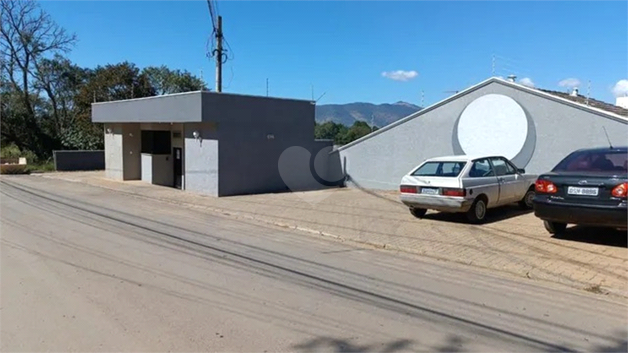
(512, 241)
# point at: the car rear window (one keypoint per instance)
(439, 169)
(605, 162)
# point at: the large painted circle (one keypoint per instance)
(493, 124)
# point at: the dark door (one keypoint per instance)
(178, 167)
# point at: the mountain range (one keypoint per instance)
(378, 114)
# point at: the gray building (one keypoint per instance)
(213, 143)
(534, 128)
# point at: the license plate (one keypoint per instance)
(573, 190)
(429, 191)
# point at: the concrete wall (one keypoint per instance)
(201, 159)
(113, 151)
(254, 132)
(79, 160)
(276, 165)
(183, 107)
(380, 160)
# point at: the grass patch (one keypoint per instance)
(42, 167)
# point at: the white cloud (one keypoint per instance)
(569, 82)
(400, 75)
(526, 81)
(621, 88)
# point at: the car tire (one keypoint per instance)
(477, 213)
(418, 212)
(526, 202)
(555, 227)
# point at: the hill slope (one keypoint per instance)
(380, 115)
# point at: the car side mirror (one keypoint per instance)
(521, 171)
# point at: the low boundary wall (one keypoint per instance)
(79, 160)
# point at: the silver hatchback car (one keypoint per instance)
(466, 184)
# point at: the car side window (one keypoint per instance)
(502, 167)
(481, 168)
(510, 169)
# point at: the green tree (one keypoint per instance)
(340, 133)
(167, 81)
(357, 130)
(329, 130)
(27, 37)
(105, 83)
(61, 81)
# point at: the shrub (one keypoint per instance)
(12, 151)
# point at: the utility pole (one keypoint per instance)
(219, 55)
(266, 87)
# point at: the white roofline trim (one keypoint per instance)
(145, 98)
(476, 87)
(205, 92)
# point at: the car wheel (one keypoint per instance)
(477, 212)
(418, 212)
(527, 201)
(555, 227)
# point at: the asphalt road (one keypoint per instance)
(88, 269)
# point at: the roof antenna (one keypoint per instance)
(607, 138)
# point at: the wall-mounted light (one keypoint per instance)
(196, 135)
(109, 131)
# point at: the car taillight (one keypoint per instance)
(407, 189)
(454, 192)
(545, 186)
(620, 190)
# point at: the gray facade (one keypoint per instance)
(231, 144)
(553, 128)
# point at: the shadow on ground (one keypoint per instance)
(344, 345)
(493, 215)
(594, 235)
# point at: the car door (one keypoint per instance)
(522, 184)
(482, 180)
(507, 178)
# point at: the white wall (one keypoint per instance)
(380, 160)
(147, 168)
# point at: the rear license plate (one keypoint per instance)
(572, 190)
(429, 191)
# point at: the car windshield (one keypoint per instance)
(597, 162)
(440, 169)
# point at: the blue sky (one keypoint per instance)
(342, 48)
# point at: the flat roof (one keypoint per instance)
(202, 92)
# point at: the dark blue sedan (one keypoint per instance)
(588, 188)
